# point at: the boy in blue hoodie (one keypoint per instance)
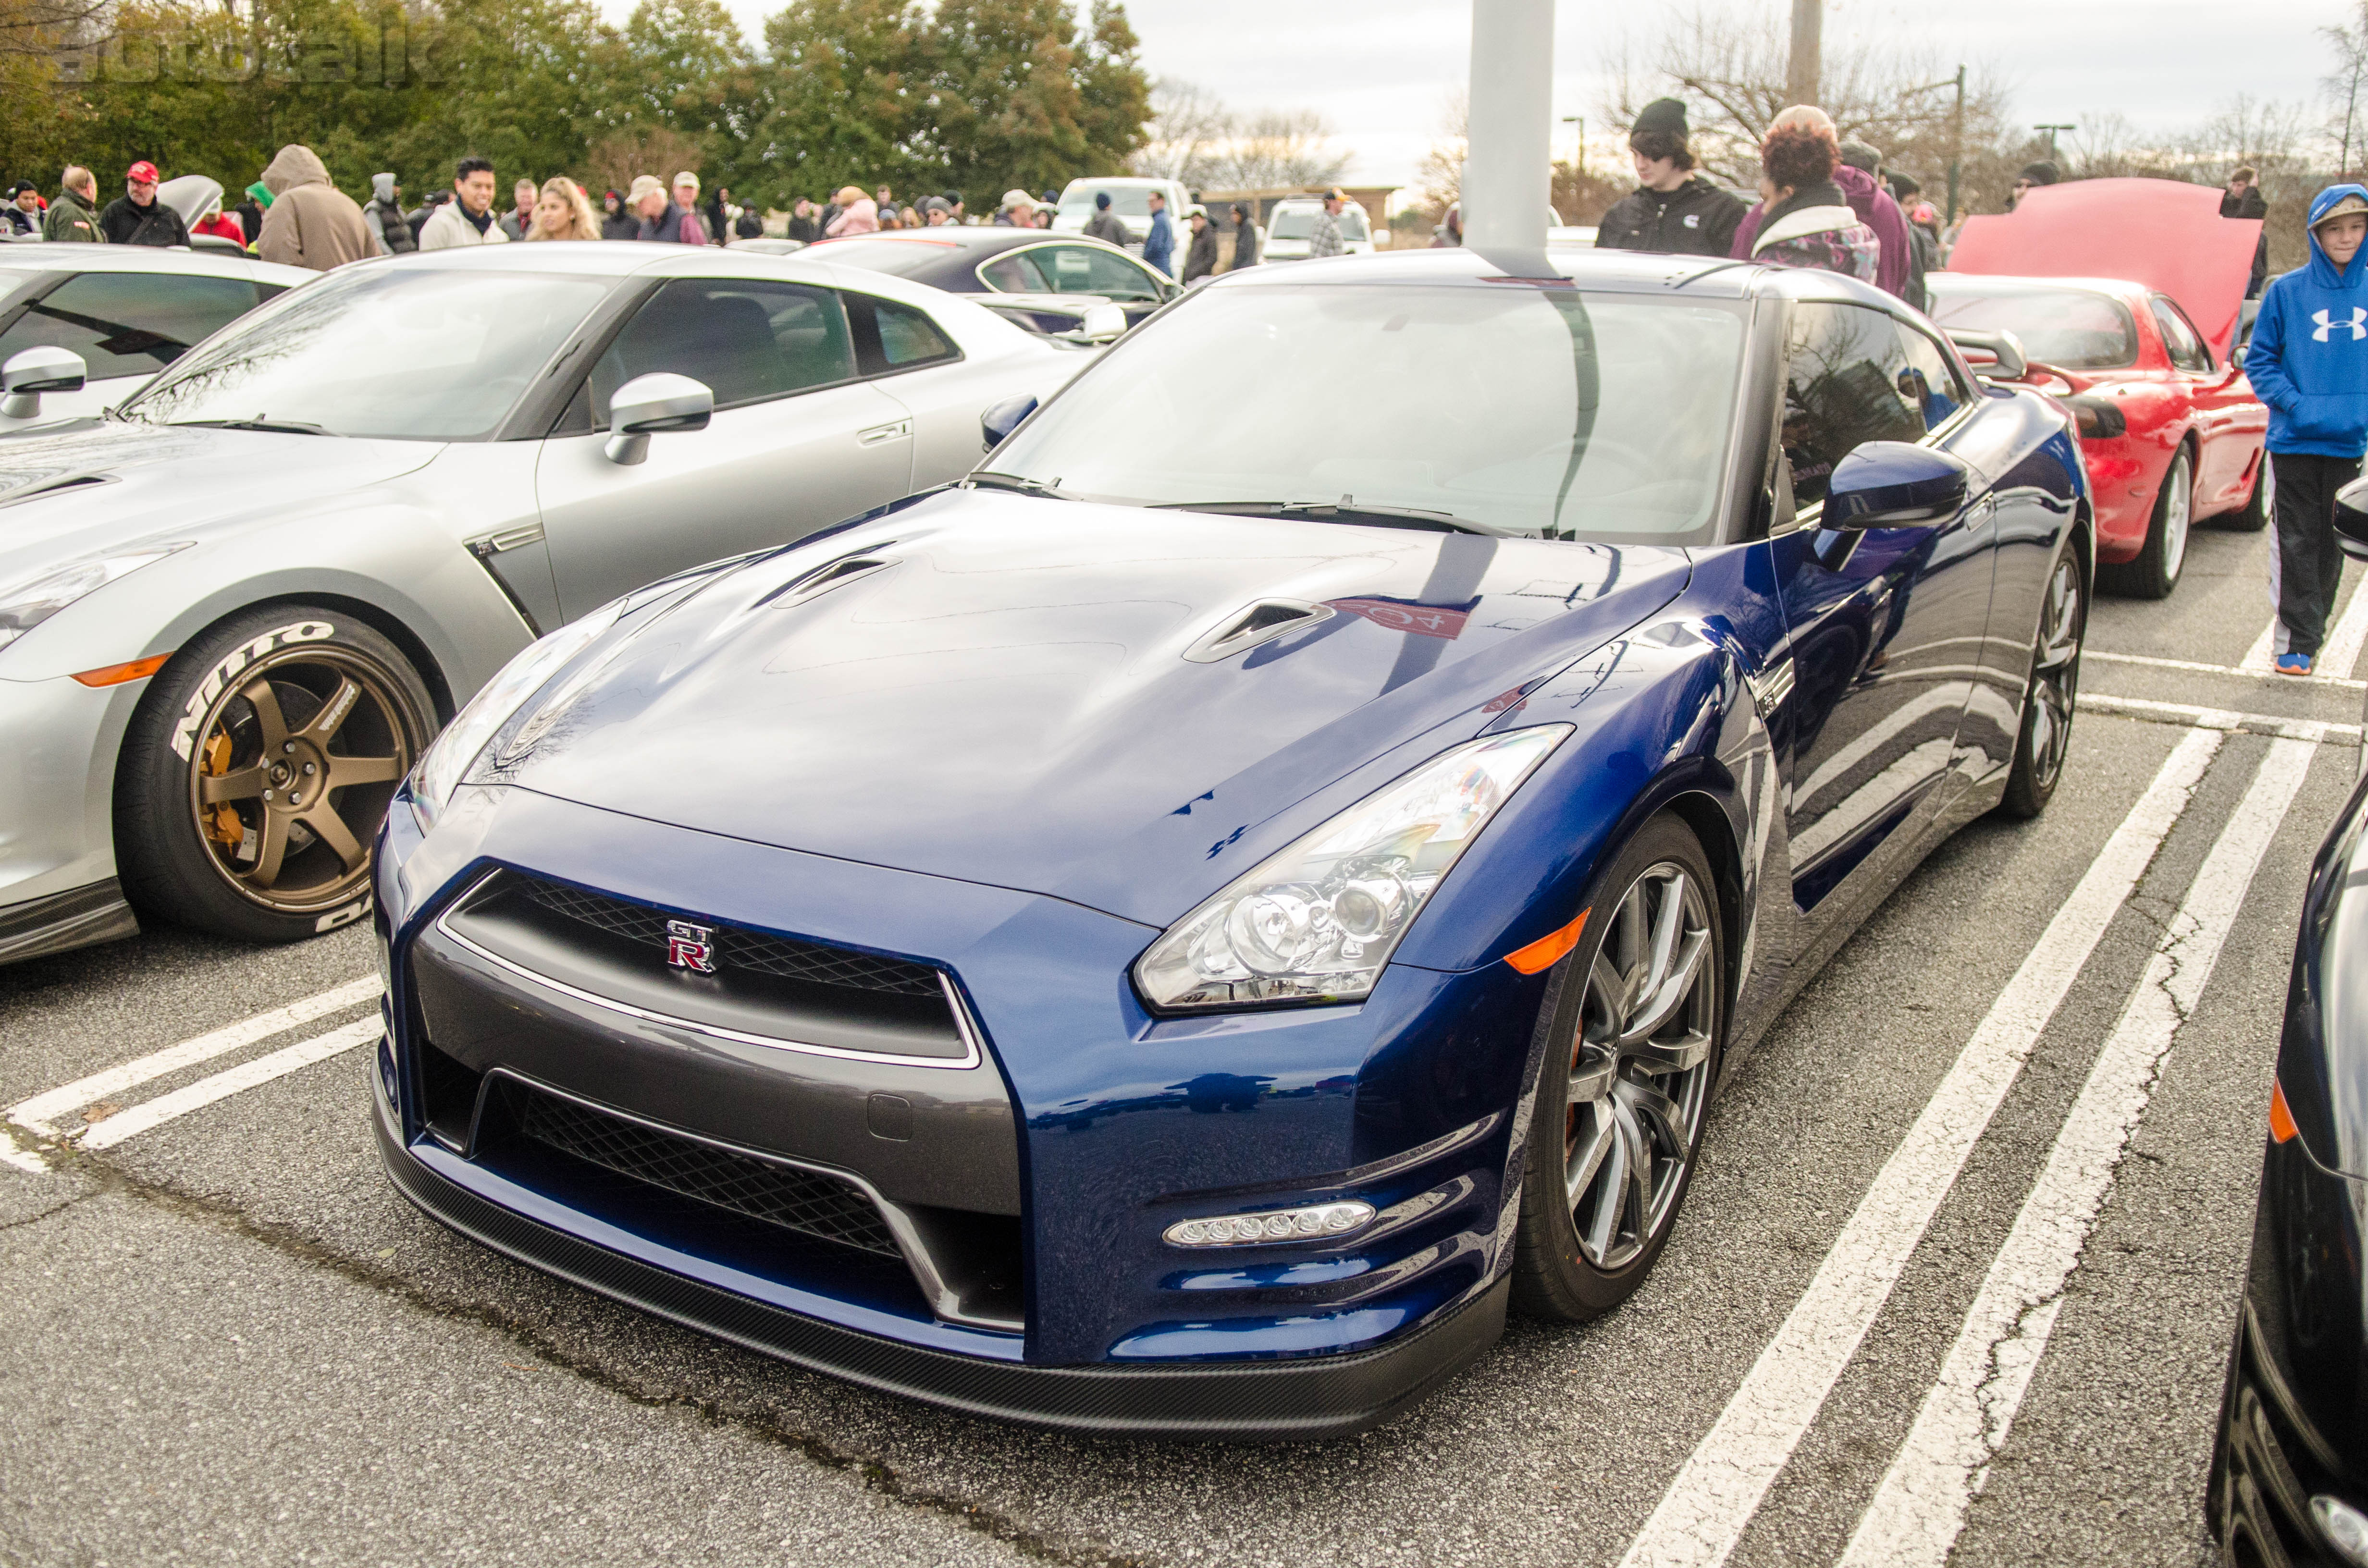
(2309, 362)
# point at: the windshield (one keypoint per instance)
(898, 258)
(1127, 202)
(399, 354)
(1298, 223)
(1513, 408)
(2069, 327)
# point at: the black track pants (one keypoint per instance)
(2310, 565)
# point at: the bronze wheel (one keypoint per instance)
(259, 769)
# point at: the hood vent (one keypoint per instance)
(63, 482)
(1261, 623)
(830, 575)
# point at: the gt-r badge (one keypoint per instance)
(691, 946)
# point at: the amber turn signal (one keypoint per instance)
(2281, 1122)
(1546, 951)
(116, 675)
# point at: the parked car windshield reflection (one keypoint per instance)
(1514, 410)
(2069, 327)
(423, 354)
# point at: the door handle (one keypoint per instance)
(896, 431)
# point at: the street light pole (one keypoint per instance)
(2051, 131)
(1509, 169)
(1807, 62)
(1957, 143)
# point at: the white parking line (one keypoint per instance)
(2337, 655)
(1713, 1496)
(2098, 655)
(41, 1111)
(222, 1086)
(2217, 718)
(1921, 1506)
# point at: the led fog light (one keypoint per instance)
(1322, 1221)
(2346, 1528)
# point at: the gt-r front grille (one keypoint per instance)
(758, 952)
(806, 1201)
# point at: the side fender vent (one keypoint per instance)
(52, 486)
(1261, 623)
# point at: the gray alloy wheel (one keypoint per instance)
(2047, 705)
(1630, 1054)
(1640, 1068)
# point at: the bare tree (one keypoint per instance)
(1275, 148)
(1191, 132)
(1732, 68)
(1440, 176)
(2342, 86)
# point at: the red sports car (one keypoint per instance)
(2124, 295)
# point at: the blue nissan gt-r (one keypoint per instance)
(1175, 932)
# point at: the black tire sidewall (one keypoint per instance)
(2025, 797)
(1552, 1278)
(166, 873)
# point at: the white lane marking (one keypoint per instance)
(21, 1158)
(1921, 1506)
(2094, 655)
(2218, 718)
(40, 1113)
(246, 1075)
(2341, 651)
(2259, 658)
(1713, 1496)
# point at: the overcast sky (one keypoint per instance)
(1382, 69)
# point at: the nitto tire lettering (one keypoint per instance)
(345, 916)
(185, 729)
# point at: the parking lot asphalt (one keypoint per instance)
(224, 1339)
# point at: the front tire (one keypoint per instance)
(256, 769)
(2155, 570)
(2255, 516)
(1634, 1023)
(2046, 737)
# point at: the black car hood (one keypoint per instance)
(1006, 697)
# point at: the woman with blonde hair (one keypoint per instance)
(858, 214)
(563, 212)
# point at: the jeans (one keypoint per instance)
(2307, 569)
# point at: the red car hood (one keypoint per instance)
(2164, 233)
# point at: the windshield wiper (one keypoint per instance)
(288, 426)
(1345, 510)
(989, 478)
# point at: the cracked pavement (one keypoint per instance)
(227, 1340)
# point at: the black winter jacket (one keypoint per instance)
(126, 223)
(1200, 261)
(1696, 219)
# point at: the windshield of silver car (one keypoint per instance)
(1501, 408)
(401, 354)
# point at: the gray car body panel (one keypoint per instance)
(381, 526)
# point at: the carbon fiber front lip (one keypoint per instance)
(1320, 1397)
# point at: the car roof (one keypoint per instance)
(1611, 271)
(2121, 288)
(55, 256)
(1113, 182)
(965, 239)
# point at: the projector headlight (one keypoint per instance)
(1316, 922)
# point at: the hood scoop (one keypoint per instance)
(1261, 623)
(53, 486)
(830, 575)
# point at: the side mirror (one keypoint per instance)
(37, 371)
(2001, 349)
(2350, 518)
(1884, 484)
(1002, 418)
(659, 403)
(1100, 323)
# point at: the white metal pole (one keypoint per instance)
(1509, 171)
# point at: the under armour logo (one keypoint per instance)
(2358, 324)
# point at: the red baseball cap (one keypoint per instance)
(143, 171)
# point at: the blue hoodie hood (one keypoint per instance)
(2309, 355)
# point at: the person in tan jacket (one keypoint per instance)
(310, 223)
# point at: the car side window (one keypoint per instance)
(1089, 270)
(1844, 368)
(129, 324)
(2179, 335)
(1932, 385)
(892, 336)
(748, 340)
(1016, 273)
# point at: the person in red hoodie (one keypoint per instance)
(216, 222)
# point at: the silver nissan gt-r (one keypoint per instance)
(234, 608)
